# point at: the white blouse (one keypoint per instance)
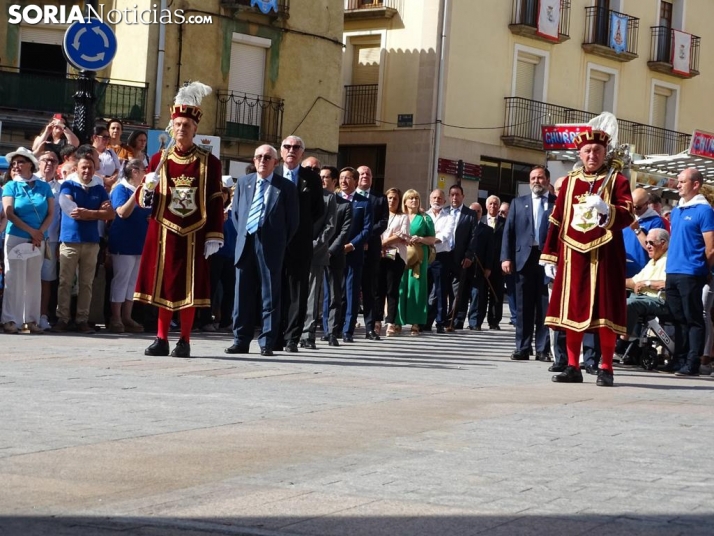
(398, 225)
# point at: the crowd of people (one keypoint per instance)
(296, 249)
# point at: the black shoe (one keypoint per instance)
(557, 368)
(687, 370)
(670, 367)
(237, 349)
(592, 369)
(325, 338)
(266, 352)
(182, 349)
(372, 336)
(495, 327)
(308, 343)
(543, 356)
(440, 329)
(333, 341)
(348, 338)
(475, 328)
(459, 325)
(605, 378)
(291, 347)
(569, 375)
(520, 355)
(160, 347)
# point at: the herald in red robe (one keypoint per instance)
(187, 210)
(589, 287)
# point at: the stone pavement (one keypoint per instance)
(438, 434)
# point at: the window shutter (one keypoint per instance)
(596, 91)
(41, 35)
(247, 72)
(659, 106)
(366, 66)
(525, 75)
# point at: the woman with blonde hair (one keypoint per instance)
(414, 288)
(391, 266)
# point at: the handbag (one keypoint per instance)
(432, 254)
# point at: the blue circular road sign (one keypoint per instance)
(90, 45)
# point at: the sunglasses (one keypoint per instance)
(651, 243)
(265, 157)
(287, 147)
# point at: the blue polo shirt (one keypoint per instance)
(127, 235)
(91, 198)
(30, 204)
(634, 252)
(687, 253)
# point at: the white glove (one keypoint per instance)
(596, 202)
(211, 247)
(550, 270)
(151, 181)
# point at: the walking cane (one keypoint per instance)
(457, 297)
(490, 285)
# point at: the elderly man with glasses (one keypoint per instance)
(647, 286)
(634, 236)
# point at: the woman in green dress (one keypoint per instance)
(414, 288)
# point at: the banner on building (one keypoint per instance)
(702, 144)
(560, 137)
(266, 6)
(549, 19)
(618, 32)
(681, 50)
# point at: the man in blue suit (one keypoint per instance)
(360, 230)
(265, 213)
(523, 236)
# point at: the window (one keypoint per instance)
(601, 90)
(664, 107)
(41, 50)
(247, 71)
(530, 73)
(365, 69)
(363, 63)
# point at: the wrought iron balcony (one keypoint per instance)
(661, 47)
(47, 92)
(249, 117)
(524, 20)
(616, 42)
(372, 9)
(247, 5)
(361, 104)
(525, 117)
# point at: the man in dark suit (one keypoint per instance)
(265, 214)
(298, 256)
(373, 254)
(360, 231)
(482, 270)
(494, 298)
(463, 252)
(523, 237)
(332, 318)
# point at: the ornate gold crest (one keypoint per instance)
(584, 218)
(183, 201)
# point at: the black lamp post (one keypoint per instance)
(84, 98)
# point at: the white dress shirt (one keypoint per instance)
(398, 224)
(444, 225)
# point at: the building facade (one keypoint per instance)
(482, 93)
(273, 72)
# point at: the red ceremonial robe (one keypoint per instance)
(187, 210)
(589, 287)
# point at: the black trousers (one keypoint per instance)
(494, 313)
(390, 276)
(296, 285)
(370, 289)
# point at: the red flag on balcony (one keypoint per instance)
(681, 50)
(549, 19)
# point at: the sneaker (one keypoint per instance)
(705, 370)
(45, 323)
(687, 370)
(116, 326)
(85, 328)
(32, 327)
(132, 327)
(11, 327)
(59, 327)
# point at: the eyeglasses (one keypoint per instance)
(105, 137)
(18, 162)
(287, 147)
(264, 157)
(652, 242)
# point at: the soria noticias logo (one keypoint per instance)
(34, 14)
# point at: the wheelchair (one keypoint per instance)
(654, 346)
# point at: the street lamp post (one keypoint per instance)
(85, 97)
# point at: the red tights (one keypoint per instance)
(574, 342)
(186, 323)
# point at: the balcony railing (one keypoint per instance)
(525, 117)
(249, 117)
(372, 9)
(661, 52)
(604, 40)
(361, 104)
(524, 19)
(47, 92)
(283, 6)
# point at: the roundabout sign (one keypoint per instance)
(89, 45)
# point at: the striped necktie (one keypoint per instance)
(256, 208)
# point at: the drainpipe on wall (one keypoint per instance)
(160, 68)
(440, 93)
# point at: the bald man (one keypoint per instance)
(635, 235)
